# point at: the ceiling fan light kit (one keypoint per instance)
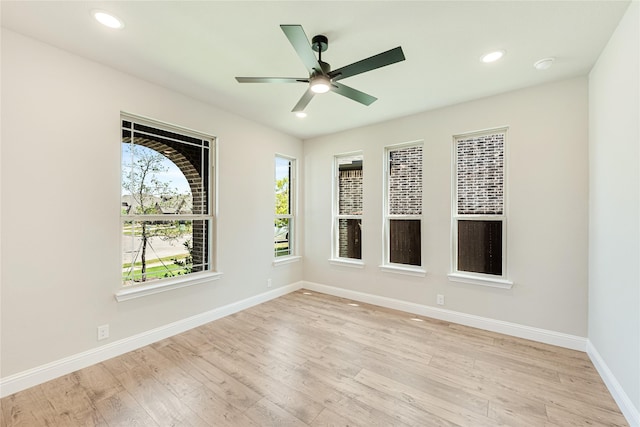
(321, 79)
(320, 84)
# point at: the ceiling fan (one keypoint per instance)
(321, 79)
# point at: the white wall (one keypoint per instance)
(614, 205)
(547, 207)
(61, 196)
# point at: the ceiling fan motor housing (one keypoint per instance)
(325, 67)
(319, 43)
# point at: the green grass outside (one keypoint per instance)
(156, 260)
(282, 249)
(157, 272)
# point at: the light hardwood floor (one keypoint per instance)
(308, 359)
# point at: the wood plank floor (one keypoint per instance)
(308, 359)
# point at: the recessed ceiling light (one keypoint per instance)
(301, 114)
(492, 56)
(107, 19)
(543, 64)
(353, 304)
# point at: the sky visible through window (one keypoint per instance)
(173, 175)
(282, 168)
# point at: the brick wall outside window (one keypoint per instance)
(405, 181)
(350, 188)
(480, 175)
(349, 203)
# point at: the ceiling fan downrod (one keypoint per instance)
(319, 44)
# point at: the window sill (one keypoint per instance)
(482, 281)
(137, 291)
(402, 269)
(286, 260)
(347, 262)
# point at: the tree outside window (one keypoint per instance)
(284, 207)
(165, 207)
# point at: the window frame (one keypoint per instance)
(387, 265)
(336, 216)
(484, 279)
(130, 291)
(293, 255)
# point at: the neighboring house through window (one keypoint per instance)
(166, 202)
(479, 217)
(403, 206)
(348, 190)
(284, 223)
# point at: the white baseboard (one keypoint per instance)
(630, 412)
(521, 331)
(49, 371)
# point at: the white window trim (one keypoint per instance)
(293, 207)
(386, 265)
(403, 269)
(481, 279)
(335, 238)
(289, 259)
(347, 262)
(477, 280)
(125, 293)
(132, 292)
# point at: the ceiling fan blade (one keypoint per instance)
(271, 80)
(300, 43)
(352, 93)
(304, 101)
(380, 60)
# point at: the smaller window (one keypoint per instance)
(403, 214)
(284, 223)
(479, 217)
(347, 231)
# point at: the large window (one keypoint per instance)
(284, 223)
(403, 213)
(347, 232)
(166, 202)
(479, 218)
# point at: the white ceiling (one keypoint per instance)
(197, 48)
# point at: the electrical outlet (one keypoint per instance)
(440, 299)
(103, 332)
(268, 283)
